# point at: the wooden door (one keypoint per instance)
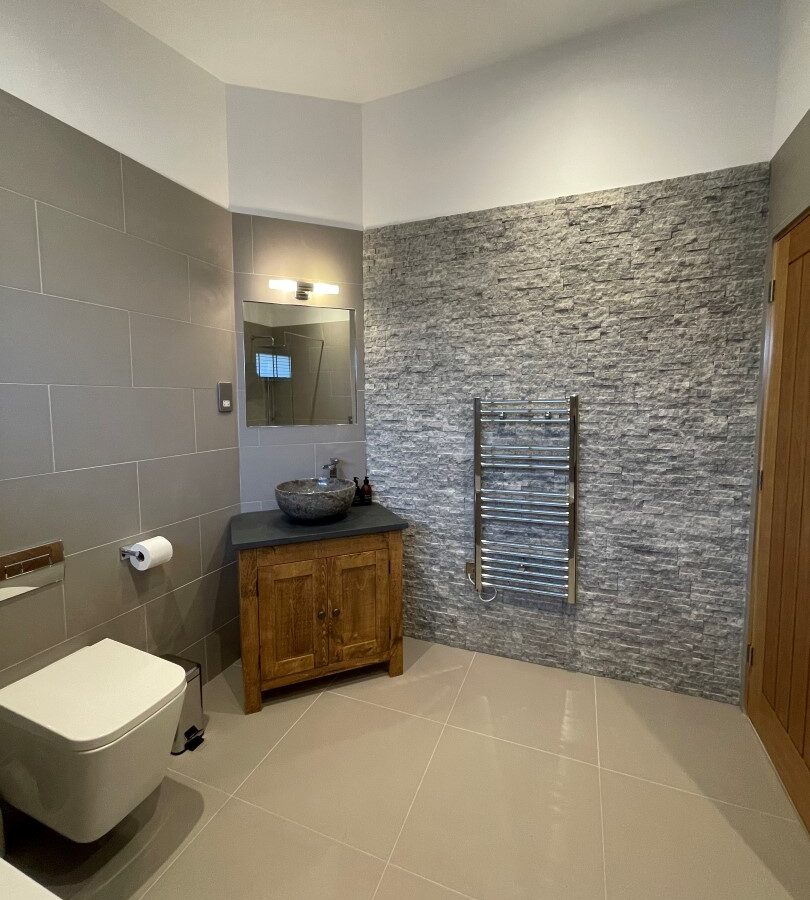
(292, 618)
(778, 697)
(358, 601)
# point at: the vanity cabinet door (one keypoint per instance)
(358, 605)
(292, 618)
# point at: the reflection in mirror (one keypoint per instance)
(299, 364)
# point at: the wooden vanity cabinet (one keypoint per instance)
(319, 607)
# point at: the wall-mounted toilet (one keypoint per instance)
(86, 739)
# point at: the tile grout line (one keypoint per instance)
(309, 707)
(599, 778)
(136, 237)
(328, 837)
(135, 312)
(126, 613)
(493, 737)
(422, 779)
(126, 462)
(165, 525)
(231, 796)
(708, 797)
(431, 881)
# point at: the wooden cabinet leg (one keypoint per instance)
(395, 664)
(253, 698)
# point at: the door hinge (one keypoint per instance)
(750, 655)
(760, 478)
(771, 291)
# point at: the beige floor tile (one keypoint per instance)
(427, 687)
(246, 853)
(124, 862)
(495, 820)
(347, 769)
(235, 743)
(397, 884)
(550, 709)
(663, 843)
(685, 742)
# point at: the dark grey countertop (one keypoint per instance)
(272, 527)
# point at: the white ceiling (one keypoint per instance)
(360, 50)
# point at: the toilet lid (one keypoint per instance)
(93, 696)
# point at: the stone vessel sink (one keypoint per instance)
(305, 500)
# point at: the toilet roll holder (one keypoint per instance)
(128, 552)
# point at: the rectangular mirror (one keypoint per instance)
(299, 364)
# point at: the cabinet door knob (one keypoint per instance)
(335, 612)
(321, 613)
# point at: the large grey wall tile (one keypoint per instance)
(305, 251)
(25, 431)
(215, 430)
(222, 648)
(196, 653)
(129, 628)
(48, 160)
(177, 354)
(83, 508)
(211, 295)
(242, 243)
(163, 211)
(215, 537)
(87, 261)
(45, 340)
(185, 616)
(183, 486)
(29, 623)
(19, 260)
(262, 468)
(94, 426)
(99, 585)
(352, 458)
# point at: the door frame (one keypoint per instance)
(778, 745)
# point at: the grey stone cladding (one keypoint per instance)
(647, 301)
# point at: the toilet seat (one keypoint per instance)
(93, 697)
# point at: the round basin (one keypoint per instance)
(305, 500)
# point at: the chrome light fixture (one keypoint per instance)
(302, 289)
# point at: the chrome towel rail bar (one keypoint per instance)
(545, 499)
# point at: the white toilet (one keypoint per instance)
(86, 739)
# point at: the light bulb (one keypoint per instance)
(283, 284)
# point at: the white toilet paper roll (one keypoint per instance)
(150, 553)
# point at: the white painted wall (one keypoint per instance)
(793, 79)
(88, 66)
(295, 157)
(688, 90)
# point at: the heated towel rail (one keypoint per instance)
(525, 483)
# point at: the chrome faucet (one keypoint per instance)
(328, 471)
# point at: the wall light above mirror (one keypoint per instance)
(302, 289)
(299, 364)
